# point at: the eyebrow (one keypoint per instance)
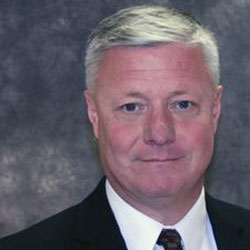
(142, 96)
(177, 93)
(136, 94)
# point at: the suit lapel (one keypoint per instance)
(97, 227)
(229, 231)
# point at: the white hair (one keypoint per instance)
(149, 25)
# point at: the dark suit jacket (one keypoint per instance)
(92, 226)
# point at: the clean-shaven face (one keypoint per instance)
(154, 112)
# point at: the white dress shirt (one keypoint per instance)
(141, 232)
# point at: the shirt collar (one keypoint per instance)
(141, 232)
(192, 227)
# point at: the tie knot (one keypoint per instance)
(170, 239)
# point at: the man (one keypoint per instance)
(153, 100)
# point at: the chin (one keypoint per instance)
(155, 189)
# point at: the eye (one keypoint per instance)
(184, 104)
(184, 107)
(130, 107)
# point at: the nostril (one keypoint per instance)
(159, 127)
(159, 135)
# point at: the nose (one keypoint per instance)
(159, 128)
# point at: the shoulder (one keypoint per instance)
(225, 214)
(58, 227)
(230, 223)
(226, 209)
(63, 230)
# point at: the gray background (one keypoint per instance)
(48, 159)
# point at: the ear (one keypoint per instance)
(217, 106)
(92, 112)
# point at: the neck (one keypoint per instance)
(167, 210)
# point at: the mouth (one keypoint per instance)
(159, 160)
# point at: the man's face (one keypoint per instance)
(154, 112)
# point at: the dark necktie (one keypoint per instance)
(170, 239)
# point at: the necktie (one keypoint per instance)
(170, 239)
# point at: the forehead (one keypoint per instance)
(172, 62)
(172, 53)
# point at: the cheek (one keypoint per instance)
(199, 140)
(118, 137)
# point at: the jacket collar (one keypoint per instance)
(96, 227)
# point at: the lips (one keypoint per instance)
(159, 160)
(160, 156)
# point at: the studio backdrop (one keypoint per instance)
(48, 157)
